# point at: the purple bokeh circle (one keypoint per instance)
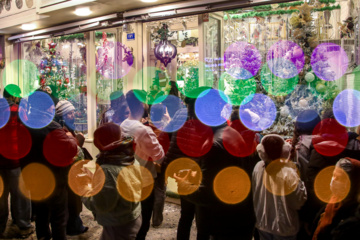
(329, 61)
(242, 60)
(110, 55)
(285, 59)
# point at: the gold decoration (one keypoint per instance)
(305, 9)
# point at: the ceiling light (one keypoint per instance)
(84, 11)
(162, 14)
(149, 1)
(28, 26)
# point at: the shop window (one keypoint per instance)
(57, 65)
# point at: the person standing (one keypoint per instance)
(148, 152)
(11, 152)
(65, 116)
(54, 149)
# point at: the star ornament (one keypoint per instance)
(305, 9)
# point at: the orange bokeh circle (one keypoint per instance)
(180, 167)
(232, 185)
(38, 182)
(278, 178)
(135, 183)
(86, 178)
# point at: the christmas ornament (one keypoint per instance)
(309, 77)
(303, 103)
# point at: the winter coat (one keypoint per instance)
(12, 136)
(316, 164)
(214, 216)
(277, 214)
(110, 208)
(52, 147)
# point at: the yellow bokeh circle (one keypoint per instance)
(86, 178)
(232, 185)
(135, 183)
(322, 185)
(1, 186)
(181, 167)
(281, 177)
(39, 182)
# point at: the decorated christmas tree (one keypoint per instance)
(53, 73)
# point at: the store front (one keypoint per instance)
(270, 60)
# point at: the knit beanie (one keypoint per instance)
(107, 137)
(63, 107)
(273, 147)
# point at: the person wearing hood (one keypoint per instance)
(65, 116)
(278, 192)
(117, 206)
(12, 150)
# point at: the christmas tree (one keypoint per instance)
(53, 73)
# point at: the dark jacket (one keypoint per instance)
(215, 216)
(316, 164)
(51, 147)
(14, 139)
(110, 208)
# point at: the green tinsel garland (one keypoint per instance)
(81, 36)
(261, 14)
(327, 1)
(281, 5)
(329, 8)
(277, 12)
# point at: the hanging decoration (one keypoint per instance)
(164, 51)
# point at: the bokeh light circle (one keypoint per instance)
(276, 85)
(173, 104)
(158, 116)
(112, 66)
(232, 185)
(285, 59)
(4, 112)
(239, 146)
(330, 138)
(177, 121)
(195, 139)
(349, 116)
(15, 141)
(211, 108)
(242, 60)
(259, 113)
(42, 110)
(279, 179)
(180, 167)
(56, 151)
(188, 77)
(329, 61)
(237, 89)
(322, 185)
(135, 183)
(39, 182)
(86, 178)
(29, 71)
(1, 186)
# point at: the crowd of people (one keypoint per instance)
(235, 182)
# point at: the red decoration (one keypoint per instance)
(67, 80)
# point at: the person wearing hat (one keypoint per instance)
(65, 116)
(278, 192)
(12, 150)
(55, 149)
(117, 206)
